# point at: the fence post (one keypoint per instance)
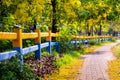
(83, 41)
(75, 44)
(38, 43)
(48, 39)
(99, 39)
(58, 40)
(17, 45)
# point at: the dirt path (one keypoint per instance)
(95, 65)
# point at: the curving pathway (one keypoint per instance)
(95, 65)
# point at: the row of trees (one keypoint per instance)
(84, 16)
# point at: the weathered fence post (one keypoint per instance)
(17, 45)
(48, 39)
(38, 43)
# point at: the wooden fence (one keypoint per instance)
(17, 37)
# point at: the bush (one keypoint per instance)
(67, 58)
(66, 47)
(94, 42)
(10, 70)
(29, 55)
(112, 40)
(45, 53)
(65, 37)
(5, 45)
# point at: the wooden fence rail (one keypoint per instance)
(17, 36)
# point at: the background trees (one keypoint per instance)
(85, 16)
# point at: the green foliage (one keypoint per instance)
(28, 42)
(10, 70)
(113, 40)
(66, 47)
(42, 27)
(64, 33)
(68, 58)
(76, 54)
(66, 36)
(29, 55)
(45, 53)
(54, 52)
(94, 42)
(5, 45)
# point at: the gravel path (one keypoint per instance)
(95, 65)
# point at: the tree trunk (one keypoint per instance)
(100, 31)
(92, 32)
(54, 20)
(115, 33)
(35, 23)
(88, 31)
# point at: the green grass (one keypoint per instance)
(68, 66)
(67, 58)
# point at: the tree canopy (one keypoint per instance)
(86, 16)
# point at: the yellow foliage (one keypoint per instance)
(104, 15)
(82, 23)
(90, 22)
(75, 3)
(91, 49)
(70, 6)
(6, 2)
(114, 69)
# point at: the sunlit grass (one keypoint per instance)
(69, 71)
(114, 69)
(91, 49)
(114, 66)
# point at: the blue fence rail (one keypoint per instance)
(17, 37)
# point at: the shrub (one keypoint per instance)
(66, 47)
(10, 70)
(67, 58)
(65, 37)
(112, 40)
(5, 45)
(45, 54)
(94, 42)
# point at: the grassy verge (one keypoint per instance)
(69, 71)
(70, 64)
(114, 66)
